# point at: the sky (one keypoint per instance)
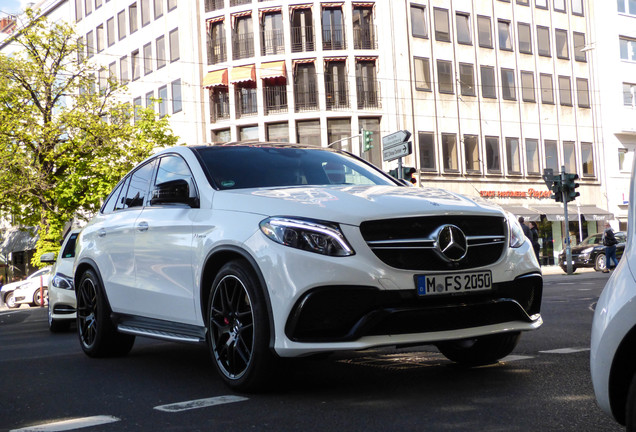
(11, 6)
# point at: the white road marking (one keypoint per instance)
(199, 403)
(512, 358)
(67, 425)
(565, 351)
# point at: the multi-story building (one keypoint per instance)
(614, 51)
(493, 91)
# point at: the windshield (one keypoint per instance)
(240, 167)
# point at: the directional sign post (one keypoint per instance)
(396, 146)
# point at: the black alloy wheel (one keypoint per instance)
(238, 328)
(97, 333)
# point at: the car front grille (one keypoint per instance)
(411, 243)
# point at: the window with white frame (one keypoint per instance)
(629, 95)
(628, 48)
(627, 6)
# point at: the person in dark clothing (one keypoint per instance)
(534, 238)
(525, 228)
(610, 242)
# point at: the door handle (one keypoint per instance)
(142, 226)
(101, 233)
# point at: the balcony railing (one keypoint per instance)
(239, 2)
(337, 97)
(275, 99)
(246, 104)
(217, 51)
(242, 46)
(212, 5)
(219, 105)
(302, 39)
(368, 94)
(364, 38)
(273, 42)
(333, 39)
(306, 98)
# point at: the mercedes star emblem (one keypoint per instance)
(451, 242)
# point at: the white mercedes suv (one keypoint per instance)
(267, 250)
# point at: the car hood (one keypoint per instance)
(350, 204)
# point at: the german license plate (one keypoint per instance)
(455, 283)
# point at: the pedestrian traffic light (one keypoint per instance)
(569, 187)
(393, 173)
(367, 140)
(409, 174)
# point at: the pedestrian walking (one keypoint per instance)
(534, 238)
(525, 228)
(610, 242)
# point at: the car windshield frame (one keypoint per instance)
(232, 167)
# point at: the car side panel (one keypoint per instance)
(163, 264)
(108, 241)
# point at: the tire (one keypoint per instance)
(36, 297)
(599, 262)
(97, 333)
(565, 269)
(630, 407)
(9, 300)
(57, 326)
(480, 351)
(238, 328)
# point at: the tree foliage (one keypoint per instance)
(66, 136)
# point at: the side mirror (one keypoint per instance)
(172, 192)
(48, 258)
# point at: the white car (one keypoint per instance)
(268, 251)
(26, 291)
(613, 342)
(61, 290)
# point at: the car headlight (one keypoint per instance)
(313, 236)
(517, 237)
(62, 282)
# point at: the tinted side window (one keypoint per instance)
(120, 201)
(69, 249)
(174, 168)
(109, 205)
(139, 185)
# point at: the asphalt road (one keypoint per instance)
(543, 386)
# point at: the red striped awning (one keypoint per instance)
(333, 59)
(273, 70)
(261, 12)
(241, 74)
(215, 78)
(302, 61)
(208, 23)
(300, 6)
(234, 16)
(332, 4)
(363, 4)
(366, 58)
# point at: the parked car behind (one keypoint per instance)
(34, 291)
(591, 252)
(613, 342)
(269, 250)
(61, 291)
(7, 292)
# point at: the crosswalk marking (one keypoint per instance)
(199, 403)
(67, 425)
(565, 351)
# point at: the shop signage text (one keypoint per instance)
(530, 193)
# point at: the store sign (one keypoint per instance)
(530, 193)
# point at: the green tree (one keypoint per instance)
(65, 137)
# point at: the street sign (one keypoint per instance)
(396, 138)
(397, 151)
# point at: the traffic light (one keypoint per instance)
(408, 174)
(367, 140)
(557, 191)
(569, 187)
(393, 173)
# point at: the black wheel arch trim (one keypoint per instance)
(235, 250)
(93, 266)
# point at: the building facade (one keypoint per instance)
(493, 92)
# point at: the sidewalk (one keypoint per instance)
(556, 270)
